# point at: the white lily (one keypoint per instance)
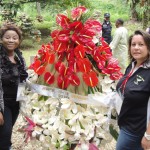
(68, 104)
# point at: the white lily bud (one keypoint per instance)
(42, 138)
(45, 126)
(84, 146)
(34, 134)
(46, 132)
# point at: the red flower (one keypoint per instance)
(38, 68)
(73, 66)
(50, 58)
(63, 21)
(93, 26)
(77, 12)
(85, 35)
(75, 39)
(79, 51)
(116, 76)
(90, 78)
(60, 46)
(74, 80)
(63, 35)
(64, 70)
(76, 26)
(101, 64)
(61, 56)
(112, 67)
(49, 78)
(63, 82)
(84, 65)
(59, 65)
(54, 34)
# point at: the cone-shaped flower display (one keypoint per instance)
(76, 54)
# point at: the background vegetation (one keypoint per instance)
(37, 17)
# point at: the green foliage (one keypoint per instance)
(113, 132)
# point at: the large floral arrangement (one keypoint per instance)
(75, 63)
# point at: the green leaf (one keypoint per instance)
(113, 132)
(66, 147)
(43, 98)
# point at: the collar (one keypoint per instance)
(145, 65)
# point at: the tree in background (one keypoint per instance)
(140, 10)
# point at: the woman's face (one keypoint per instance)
(10, 40)
(139, 50)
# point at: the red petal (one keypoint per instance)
(61, 56)
(84, 65)
(59, 65)
(54, 34)
(50, 58)
(101, 64)
(116, 76)
(64, 35)
(40, 70)
(90, 79)
(93, 25)
(86, 35)
(62, 82)
(63, 70)
(79, 51)
(77, 12)
(49, 78)
(74, 80)
(60, 46)
(62, 20)
(76, 26)
(76, 39)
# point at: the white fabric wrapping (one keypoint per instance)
(111, 99)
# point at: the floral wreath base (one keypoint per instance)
(61, 123)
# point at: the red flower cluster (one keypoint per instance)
(74, 50)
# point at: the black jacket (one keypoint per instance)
(133, 114)
(106, 31)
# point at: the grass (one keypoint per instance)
(29, 47)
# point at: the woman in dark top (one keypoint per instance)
(12, 72)
(134, 87)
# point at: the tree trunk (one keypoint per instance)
(134, 14)
(146, 16)
(38, 7)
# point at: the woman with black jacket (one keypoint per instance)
(12, 72)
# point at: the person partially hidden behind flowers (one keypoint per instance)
(12, 72)
(134, 88)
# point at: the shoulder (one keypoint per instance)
(117, 31)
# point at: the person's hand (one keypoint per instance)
(145, 143)
(1, 119)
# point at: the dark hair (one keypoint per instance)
(120, 21)
(146, 38)
(10, 26)
(107, 15)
